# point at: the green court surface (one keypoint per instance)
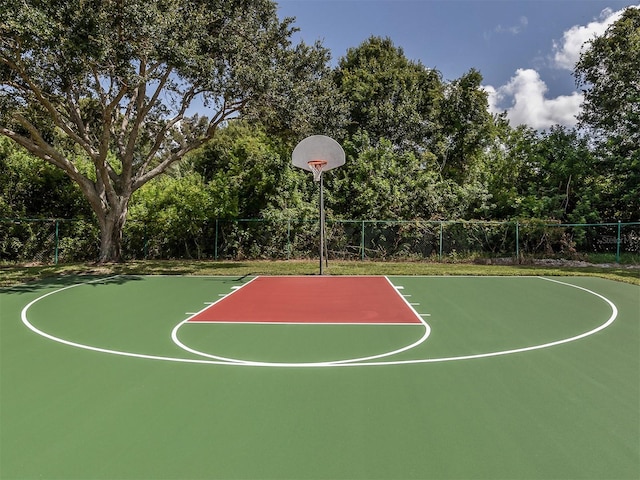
(502, 378)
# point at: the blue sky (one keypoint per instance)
(524, 49)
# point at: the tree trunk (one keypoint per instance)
(111, 228)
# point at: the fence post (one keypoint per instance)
(517, 241)
(362, 241)
(55, 259)
(618, 241)
(215, 246)
(440, 244)
(288, 238)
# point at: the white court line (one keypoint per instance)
(614, 314)
(30, 326)
(607, 323)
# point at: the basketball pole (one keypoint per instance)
(321, 223)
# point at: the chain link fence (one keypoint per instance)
(47, 241)
(50, 241)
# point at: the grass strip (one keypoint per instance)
(18, 274)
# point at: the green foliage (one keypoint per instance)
(253, 170)
(298, 108)
(175, 214)
(77, 240)
(379, 181)
(241, 173)
(464, 129)
(565, 183)
(374, 182)
(32, 189)
(389, 96)
(542, 175)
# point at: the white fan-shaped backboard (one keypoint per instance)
(318, 147)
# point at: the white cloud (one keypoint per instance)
(515, 29)
(524, 96)
(567, 51)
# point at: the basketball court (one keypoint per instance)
(320, 377)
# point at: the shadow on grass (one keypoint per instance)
(29, 278)
(170, 267)
(62, 281)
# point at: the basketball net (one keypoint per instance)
(316, 167)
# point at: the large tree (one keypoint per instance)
(389, 95)
(103, 89)
(465, 128)
(608, 71)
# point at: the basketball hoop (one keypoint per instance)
(318, 154)
(317, 166)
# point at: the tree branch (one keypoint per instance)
(222, 115)
(46, 152)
